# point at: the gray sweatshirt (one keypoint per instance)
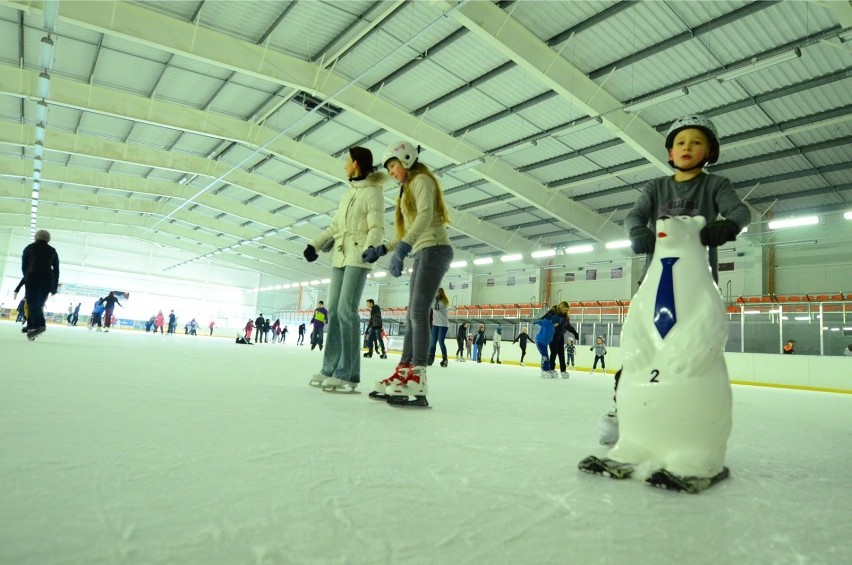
(706, 195)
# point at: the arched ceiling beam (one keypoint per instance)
(22, 82)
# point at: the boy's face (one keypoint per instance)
(690, 148)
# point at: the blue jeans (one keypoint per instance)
(374, 340)
(438, 335)
(342, 355)
(429, 267)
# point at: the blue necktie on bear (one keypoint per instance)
(665, 316)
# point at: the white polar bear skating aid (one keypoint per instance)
(674, 396)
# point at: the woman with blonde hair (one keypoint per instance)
(440, 326)
(421, 219)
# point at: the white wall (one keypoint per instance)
(203, 290)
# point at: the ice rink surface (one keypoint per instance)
(128, 447)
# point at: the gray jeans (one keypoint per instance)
(430, 266)
(342, 357)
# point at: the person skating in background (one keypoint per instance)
(600, 351)
(440, 326)
(569, 352)
(318, 323)
(40, 267)
(301, 338)
(496, 338)
(461, 339)
(258, 328)
(848, 351)
(357, 227)
(193, 327)
(789, 347)
(275, 328)
(557, 344)
(248, 329)
(374, 330)
(75, 316)
(22, 307)
(172, 322)
(160, 321)
(468, 346)
(110, 301)
(522, 338)
(97, 313)
(479, 343)
(283, 334)
(70, 313)
(210, 326)
(421, 217)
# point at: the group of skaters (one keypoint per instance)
(356, 235)
(261, 328)
(551, 345)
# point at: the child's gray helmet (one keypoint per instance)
(699, 122)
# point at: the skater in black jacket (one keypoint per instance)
(40, 265)
(461, 338)
(523, 337)
(109, 305)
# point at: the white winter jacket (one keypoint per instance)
(358, 223)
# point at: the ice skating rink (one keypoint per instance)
(135, 448)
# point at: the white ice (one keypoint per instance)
(135, 448)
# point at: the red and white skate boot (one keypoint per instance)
(414, 386)
(380, 388)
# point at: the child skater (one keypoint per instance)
(479, 343)
(600, 351)
(523, 338)
(692, 142)
(569, 352)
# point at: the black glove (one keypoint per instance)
(642, 240)
(576, 337)
(372, 254)
(310, 253)
(591, 348)
(719, 233)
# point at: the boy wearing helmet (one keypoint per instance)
(420, 220)
(692, 142)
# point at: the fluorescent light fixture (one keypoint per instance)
(757, 64)
(304, 283)
(46, 53)
(41, 111)
(578, 126)
(43, 85)
(258, 238)
(380, 274)
(49, 14)
(800, 318)
(458, 264)
(637, 107)
(835, 329)
(483, 261)
(583, 248)
(270, 233)
(543, 253)
(848, 215)
(410, 270)
(510, 258)
(751, 312)
(515, 148)
(316, 282)
(793, 222)
(468, 165)
(620, 244)
(325, 281)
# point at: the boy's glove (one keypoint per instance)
(591, 348)
(719, 233)
(402, 251)
(642, 239)
(372, 254)
(310, 253)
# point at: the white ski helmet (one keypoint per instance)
(698, 122)
(402, 150)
